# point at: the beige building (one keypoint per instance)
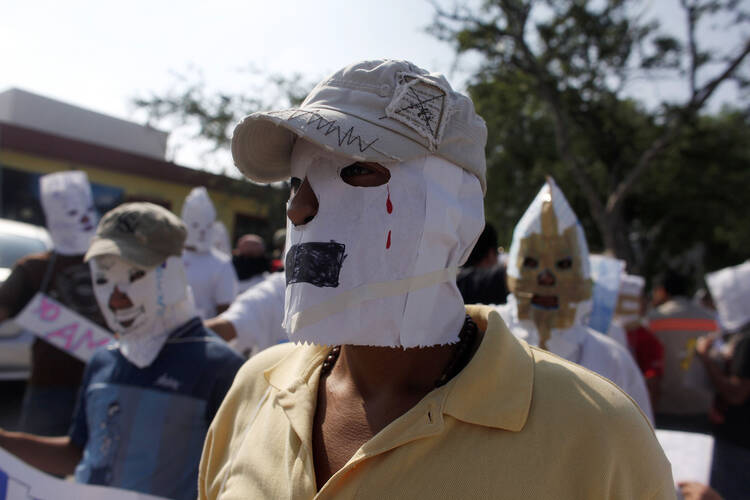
(124, 162)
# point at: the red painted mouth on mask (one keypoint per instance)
(545, 301)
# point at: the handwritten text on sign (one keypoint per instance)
(62, 327)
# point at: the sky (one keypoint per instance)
(100, 55)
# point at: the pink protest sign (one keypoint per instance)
(62, 327)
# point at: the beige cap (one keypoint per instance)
(144, 234)
(382, 111)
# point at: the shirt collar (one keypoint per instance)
(493, 390)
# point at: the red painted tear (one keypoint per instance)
(388, 243)
(388, 204)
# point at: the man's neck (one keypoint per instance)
(392, 370)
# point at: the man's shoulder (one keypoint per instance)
(35, 260)
(583, 401)
(680, 307)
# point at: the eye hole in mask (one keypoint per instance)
(565, 263)
(136, 274)
(365, 174)
(530, 262)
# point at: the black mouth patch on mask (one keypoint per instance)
(316, 263)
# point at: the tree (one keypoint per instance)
(558, 71)
(209, 116)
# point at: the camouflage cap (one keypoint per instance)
(144, 234)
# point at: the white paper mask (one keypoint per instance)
(69, 209)
(730, 289)
(199, 214)
(377, 265)
(628, 310)
(159, 297)
(548, 264)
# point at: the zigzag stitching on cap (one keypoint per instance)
(332, 127)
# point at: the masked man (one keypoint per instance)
(146, 401)
(646, 348)
(61, 274)
(391, 391)
(550, 283)
(209, 271)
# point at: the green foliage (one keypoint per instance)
(211, 115)
(552, 87)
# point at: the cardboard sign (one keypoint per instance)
(605, 271)
(62, 327)
(19, 481)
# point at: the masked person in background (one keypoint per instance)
(730, 289)
(209, 272)
(685, 393)
(146, 400)
(390, 390)
(550, 283)
(61, 274)
(645, 347)
(250, 261)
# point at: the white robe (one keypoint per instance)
(588, 348)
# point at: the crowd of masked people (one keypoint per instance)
(425, 362)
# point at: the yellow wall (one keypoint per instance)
(226, 205)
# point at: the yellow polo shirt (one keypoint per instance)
(516, 423)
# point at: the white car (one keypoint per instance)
(17, 239)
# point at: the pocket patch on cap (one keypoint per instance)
(421, 105)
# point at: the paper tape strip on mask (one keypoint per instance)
(370, 291)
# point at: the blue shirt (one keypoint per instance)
(143, 428)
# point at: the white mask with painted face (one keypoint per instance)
(548, 267)
(159, 301)
(199, 214)
(377, 265)
(69, 209)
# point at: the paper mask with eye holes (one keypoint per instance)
(199, 214)
(69, 209)
(376, 264)
(548, 263)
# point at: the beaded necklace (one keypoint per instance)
(461, 354)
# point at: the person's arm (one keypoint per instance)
(223, 327)
(693, 490)
(735, 390)
(220, 308)
(55, 455)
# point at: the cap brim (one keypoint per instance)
(135, 254)
(262, 143)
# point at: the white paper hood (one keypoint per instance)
(730, 289)
(549, 259)
(68, 206)
(199, 214)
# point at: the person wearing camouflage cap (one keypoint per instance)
(147, 399)
(389, 389)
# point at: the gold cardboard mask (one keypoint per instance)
(550, 265)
